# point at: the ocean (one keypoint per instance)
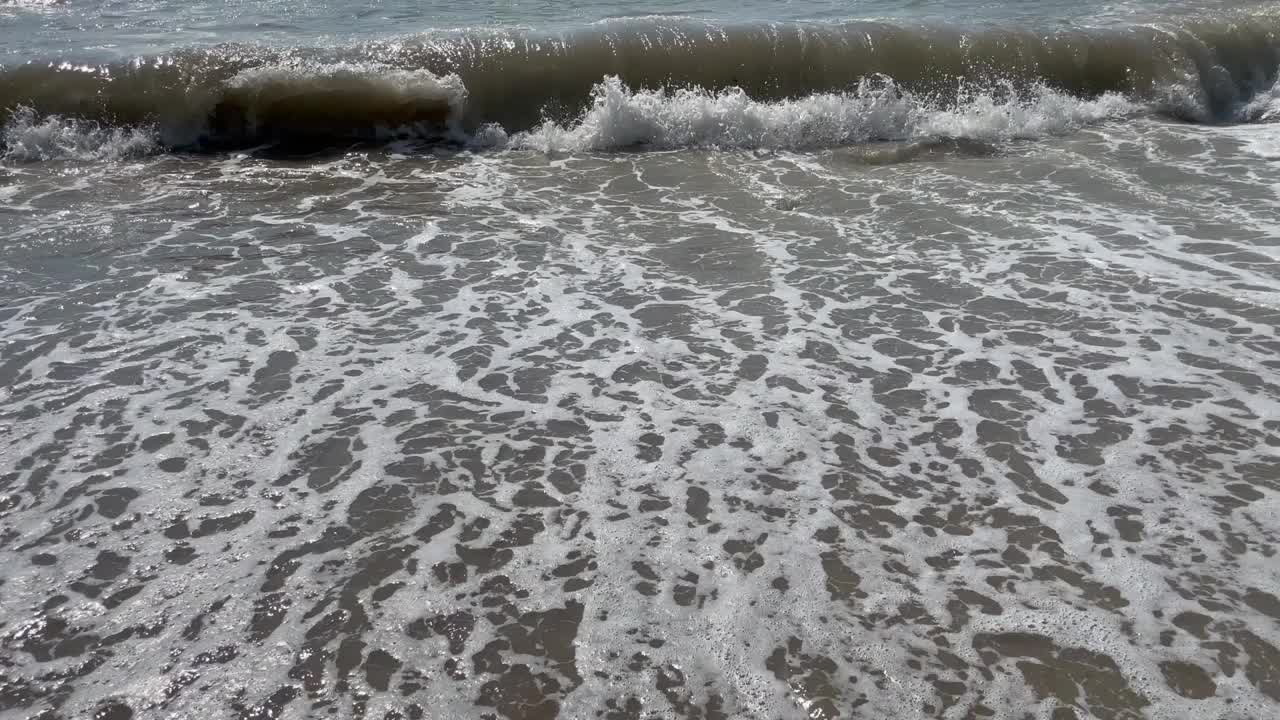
(689, 359)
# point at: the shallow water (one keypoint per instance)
(709, 401)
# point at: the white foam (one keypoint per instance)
(490, 253)
(28, 137)
(621, 117)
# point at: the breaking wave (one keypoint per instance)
(655, 82)
(620, 117)
(29, 137)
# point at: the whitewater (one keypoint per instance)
(700, 361)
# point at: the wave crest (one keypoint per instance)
(304, 102)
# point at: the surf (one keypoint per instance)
(666, 82)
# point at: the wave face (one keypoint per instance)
(667, 83)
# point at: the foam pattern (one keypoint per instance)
(924, 428)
